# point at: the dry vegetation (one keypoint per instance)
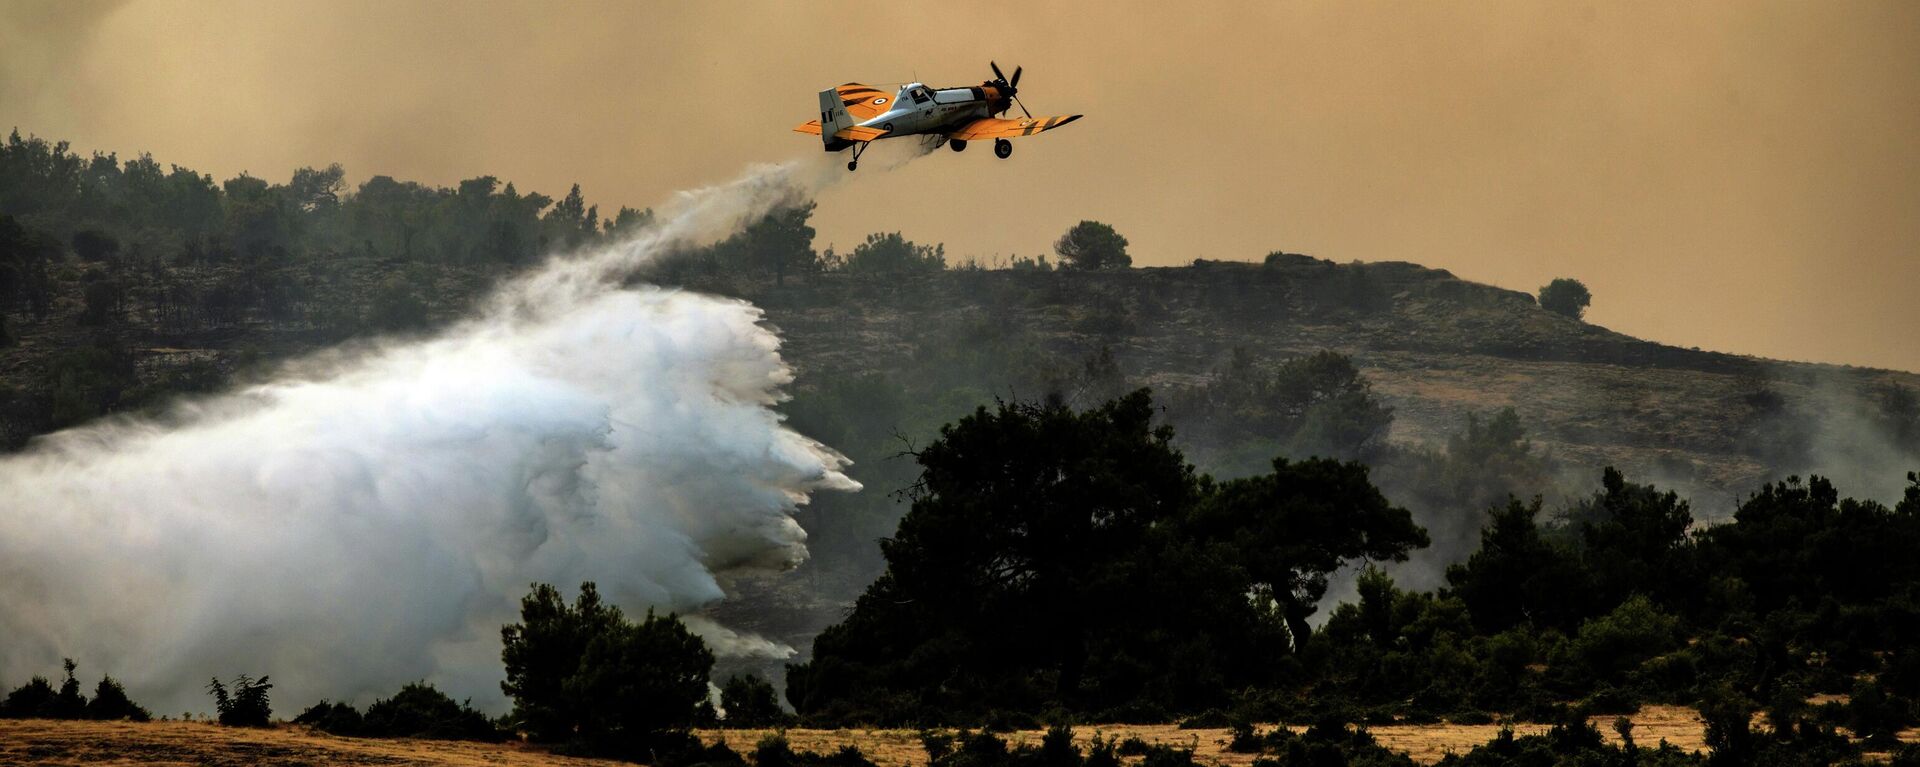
(1435, 349)
(48, 742)
(1426, 743)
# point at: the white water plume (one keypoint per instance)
(370, 518)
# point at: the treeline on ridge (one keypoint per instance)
(103, 258)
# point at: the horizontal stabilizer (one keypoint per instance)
(859, 133)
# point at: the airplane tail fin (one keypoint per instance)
(833, 119)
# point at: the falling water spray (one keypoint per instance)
(368, 518)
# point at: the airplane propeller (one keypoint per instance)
(1012, 86)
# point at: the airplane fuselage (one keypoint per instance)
(916, 109)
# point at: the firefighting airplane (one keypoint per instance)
(853, 115)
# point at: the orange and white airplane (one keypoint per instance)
(854, 115)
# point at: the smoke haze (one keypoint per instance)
(371, 517)
(1737, 176)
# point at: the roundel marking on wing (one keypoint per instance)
(878, 100)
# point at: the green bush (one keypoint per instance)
(586, 677)
(1608, 648)
(774, 751)
(750, 702)
(333, 718)
(420, 711)
(1092, 245)
(31, 700)
(246, 705)
(110, 702)
(892, 254)
(40, 700)
(1565, 297)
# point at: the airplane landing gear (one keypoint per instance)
(1002, 148)
(957, 145)
(853, 164)
(858, 149)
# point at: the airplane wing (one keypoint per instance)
(855, 133)
(996, 127)
(864, 102)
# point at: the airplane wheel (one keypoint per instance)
(1002, 148)
(853, 164)
(958, 145)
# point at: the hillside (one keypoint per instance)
(1437, 350)
(1434, 346)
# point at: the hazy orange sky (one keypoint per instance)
(1737, 176)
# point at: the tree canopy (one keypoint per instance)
(587, 677)
(1126, 574)
(1092, 245)
(890, 253)
(1566, 297)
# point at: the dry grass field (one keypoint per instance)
(48, 742)
(1426, 743)
(45, 742)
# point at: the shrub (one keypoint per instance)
(333, 718)
(110, 702)
(420, 711)
(1057, 748)
(94, 245)
(774, 751)
(891, 253)
(28, 700)
(246, 705)
(106, 302)
(1102, 753)
(937, 744)
(1566, 297)
(699, 755)
(396, 307)
(1607, 648)
(1245, 741)
(68, 703)
(1167, 756)
(1876, 716)
(39, 699)
(1209, 719)
(587, 677)
(750, 702)
(1092, 245)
